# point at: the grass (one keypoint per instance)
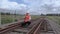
(55, 18)
(12, 18)
(9, 18)
(35, 17)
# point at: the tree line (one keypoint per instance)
(7, 13)
(50, 15)
(41, 14)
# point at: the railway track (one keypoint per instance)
(52, 28)
(55, 27)
(36, 28)
(14, 27)
(40, 26)
(10, 28)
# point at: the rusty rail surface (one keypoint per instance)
(36, 28)
(33, 30)
(37, 31)
(9, 28)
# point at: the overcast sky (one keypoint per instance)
(33, 6)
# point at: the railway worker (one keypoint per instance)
(27, 19)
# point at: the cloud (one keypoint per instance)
(33, 6)
(11, 5)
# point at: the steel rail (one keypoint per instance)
(33, 29)
(9, 28)
(37, 31)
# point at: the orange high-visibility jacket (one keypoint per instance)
(27, 18)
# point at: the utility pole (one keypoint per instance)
(15, 13)
(0, 18)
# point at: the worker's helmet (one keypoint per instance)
(27, 13)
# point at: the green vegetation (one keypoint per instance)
(35, 16)
(9, 18)
(55, 18)
(12, 18)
